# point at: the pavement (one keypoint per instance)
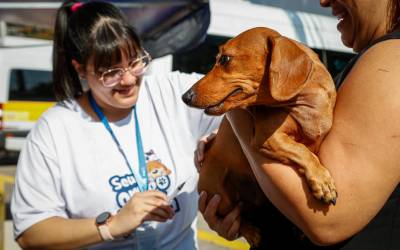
(208, 239)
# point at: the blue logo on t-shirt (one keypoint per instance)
(124, 187)
(158, 179)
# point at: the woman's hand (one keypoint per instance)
(227, 227)
(201, 145)
(143, 206)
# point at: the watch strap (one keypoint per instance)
(102, 226)
(105, 232)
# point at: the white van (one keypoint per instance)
(25, 68)
(231, 17)
(25, 87)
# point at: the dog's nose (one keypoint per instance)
(188, 97)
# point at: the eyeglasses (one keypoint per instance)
(136, 67)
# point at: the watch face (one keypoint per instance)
(102, 218)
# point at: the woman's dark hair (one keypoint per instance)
(95, 31)
(394, 15)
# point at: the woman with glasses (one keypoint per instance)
(110, 166)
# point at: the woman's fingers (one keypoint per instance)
(233, 232)
(230, 219)
(201, 145)
(227, 227)
(202, 201)
(197, 161)
(154, 217)
(149, 205)
(154, 202)
(162, 211)
(199, 153)
(200, 148)
(157, 203)
(230, 224)
(212, 135)
(158, 213)
(210, 213)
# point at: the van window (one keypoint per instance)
(31, 85)
(202, 58)
(337, 61)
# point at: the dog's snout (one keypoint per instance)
(188, 97)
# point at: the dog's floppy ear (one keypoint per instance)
(289, 69)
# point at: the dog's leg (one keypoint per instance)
(282, 147)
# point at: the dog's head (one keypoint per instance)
(259, 66)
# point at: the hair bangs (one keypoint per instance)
(110, 42)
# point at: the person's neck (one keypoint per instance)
(112, 114)
(115, 114)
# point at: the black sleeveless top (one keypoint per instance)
(383, 231)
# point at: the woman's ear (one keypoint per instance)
(80, 69)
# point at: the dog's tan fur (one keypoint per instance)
(291, 97)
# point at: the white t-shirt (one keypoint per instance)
(72, 168)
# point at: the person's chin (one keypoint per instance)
(345, 27)
(127, 102)
(347, 42)
(347, 37)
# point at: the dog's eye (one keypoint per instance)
(224, 59)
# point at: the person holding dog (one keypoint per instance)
(110, 165)
(361, 151)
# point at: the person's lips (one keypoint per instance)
(340, 16)
(340, 13)
(125, 91)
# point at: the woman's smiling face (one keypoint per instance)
(122, 95)
(360, 21)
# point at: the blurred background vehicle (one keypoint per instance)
(25, 88)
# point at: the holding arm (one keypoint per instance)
(365, 168)
(62, 233)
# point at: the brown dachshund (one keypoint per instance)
(291, 97)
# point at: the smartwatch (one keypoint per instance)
(101, 223)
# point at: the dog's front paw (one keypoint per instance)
(322, 185)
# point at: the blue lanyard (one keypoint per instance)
(143, 181)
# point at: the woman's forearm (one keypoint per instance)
(362, 188)
(359, 182)
(288, 191)
(60, 233)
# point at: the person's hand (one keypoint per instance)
(143, 206)
(201, 145)
(227, 227)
